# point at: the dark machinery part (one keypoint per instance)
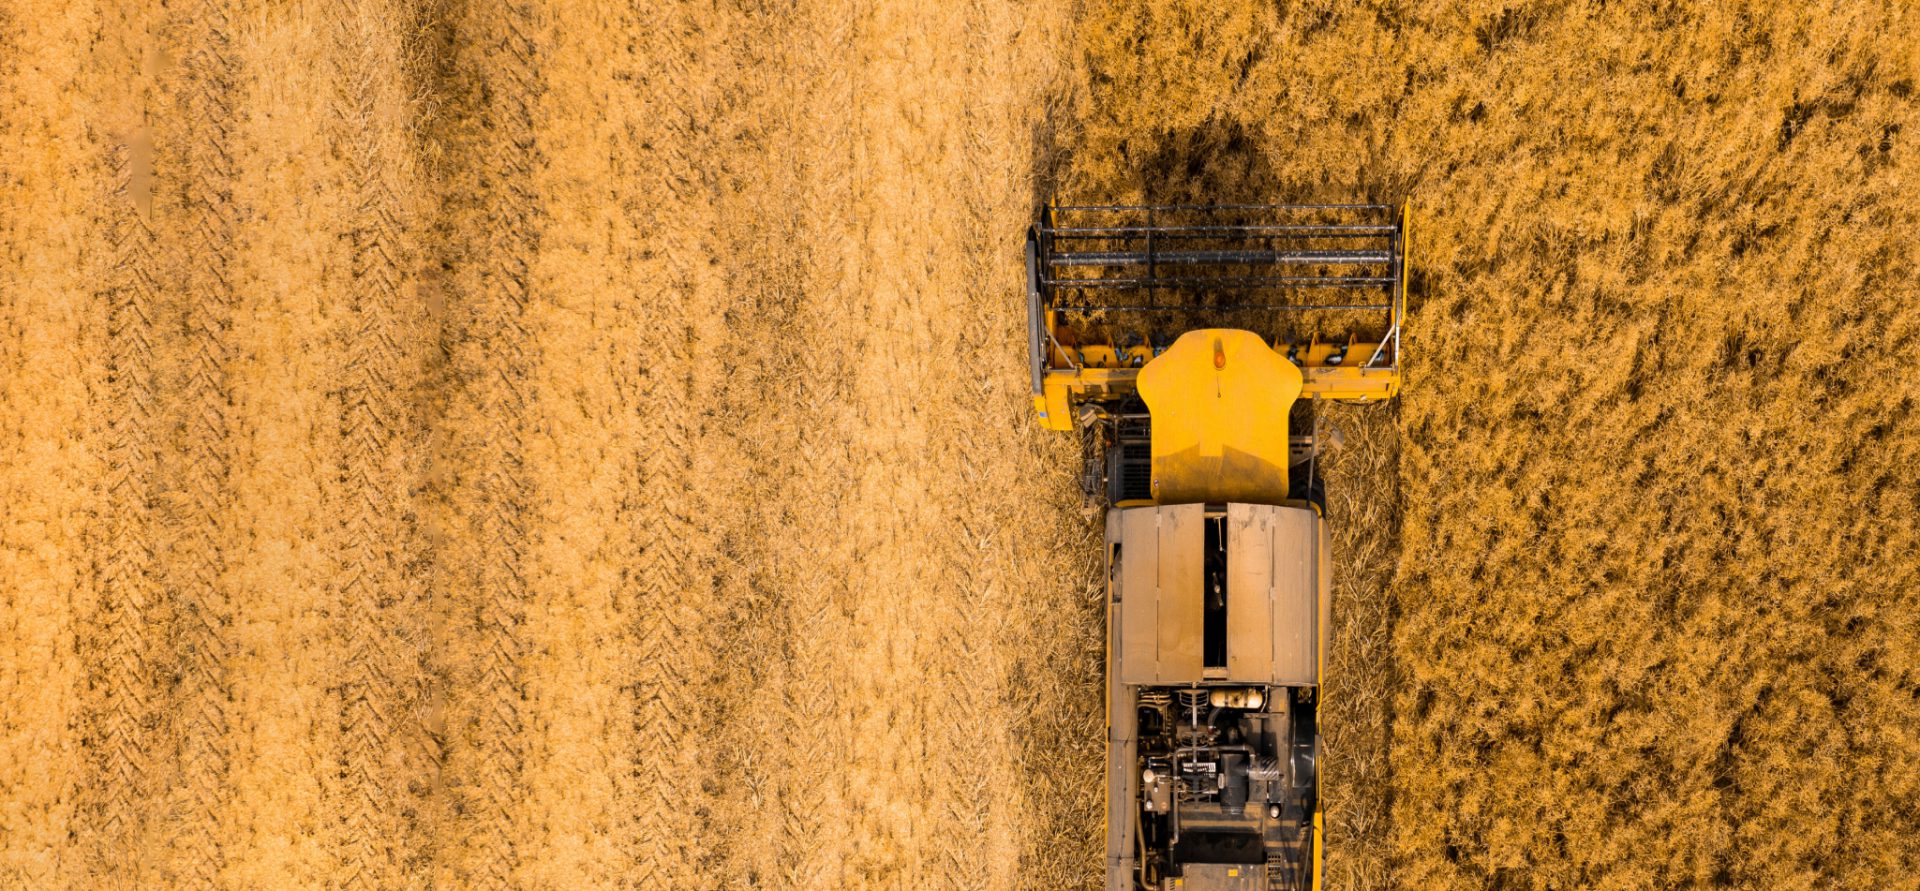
(1130, 457)
(1233, 784)
(1304, 750)
(1227, 790)
(1213, 600)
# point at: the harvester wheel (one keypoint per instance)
(1093, 464)
(1309, 487)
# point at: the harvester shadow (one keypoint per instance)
(1220, 161)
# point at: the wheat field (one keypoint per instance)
(564, 445)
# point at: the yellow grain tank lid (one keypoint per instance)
(1219, 400)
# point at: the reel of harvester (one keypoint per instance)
(1110, 288)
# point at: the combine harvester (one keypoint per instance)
(1201, 442)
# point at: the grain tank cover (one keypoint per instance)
(1276, 577)
(1277, 594)
(1159, 583)
(1219, 399)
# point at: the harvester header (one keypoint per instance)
(1110, 287)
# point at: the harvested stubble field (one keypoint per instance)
(472, 445)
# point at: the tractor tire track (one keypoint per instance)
(811, 691)
(385, 753)
(163, 609)
(666, 708)
(492, 358)
(811, 556)
(669, 578)
(198, 461)
(1028, 655)
(971, 834)
(123, 639)
(785, 736)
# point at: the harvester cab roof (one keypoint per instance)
(1187, 343)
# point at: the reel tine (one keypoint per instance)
(1192, 259)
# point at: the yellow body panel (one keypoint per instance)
(1319, 832)
(1219, 398)
(1063, 388)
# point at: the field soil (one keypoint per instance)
(553, 445)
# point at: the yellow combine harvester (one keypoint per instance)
(1201, 441)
